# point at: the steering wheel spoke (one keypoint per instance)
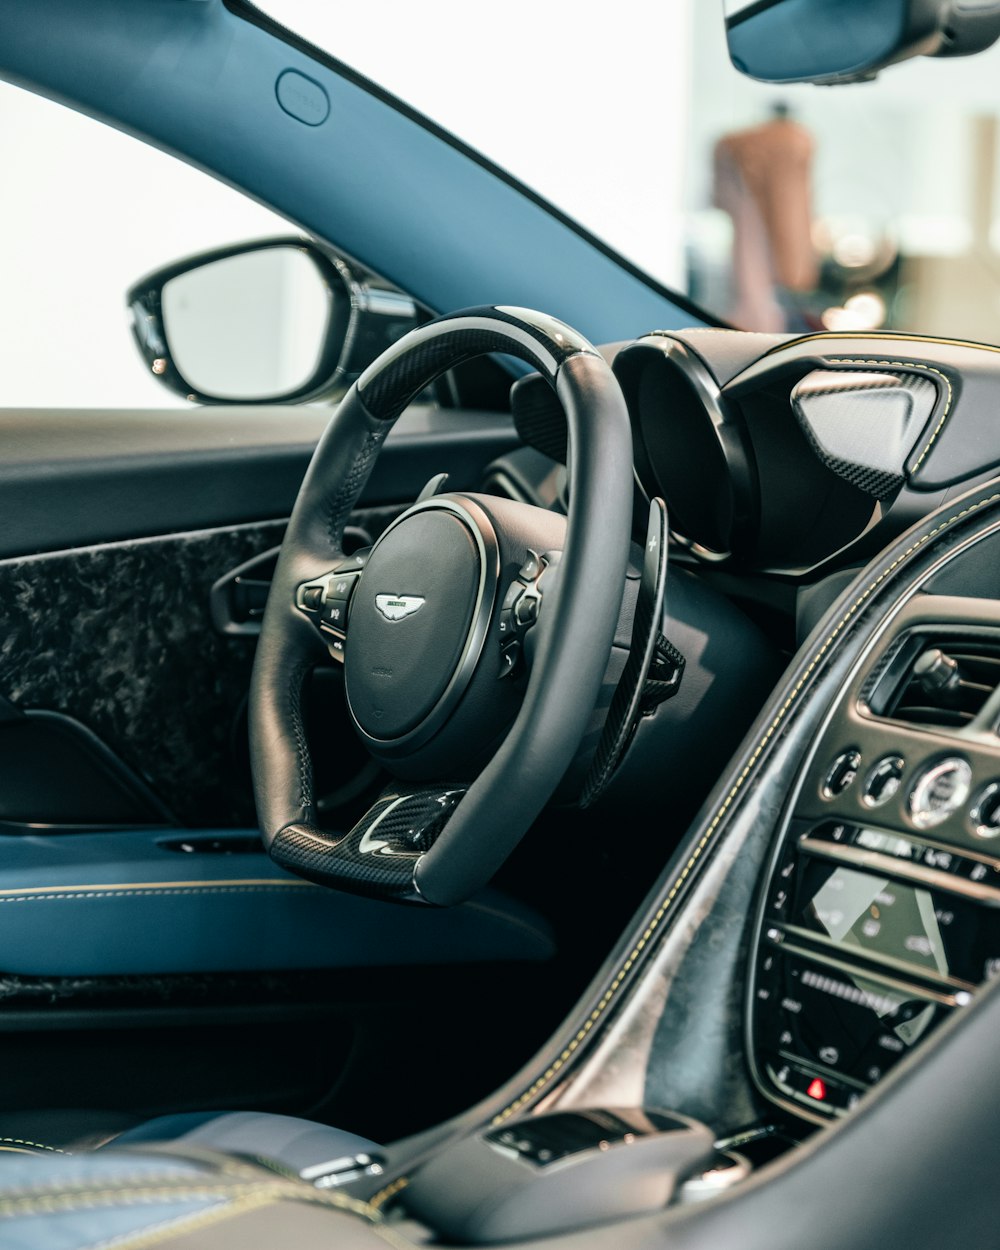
(477, 646)
(383, 847)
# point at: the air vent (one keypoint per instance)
(940, 683)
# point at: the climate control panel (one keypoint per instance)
(881, 912)
(869, 939)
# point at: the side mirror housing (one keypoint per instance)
(838, 41)
(269, 321)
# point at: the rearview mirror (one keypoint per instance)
(270, 321)
(834, 41)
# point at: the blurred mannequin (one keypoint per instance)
(763, 180)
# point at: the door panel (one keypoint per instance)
(117, 527)
(68, 479)
(118, 634)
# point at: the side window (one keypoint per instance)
(88, 212)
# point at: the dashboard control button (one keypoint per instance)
(778, 904)
(977, 871)
(809, 1087)
(939, 792)
(888, 844)
(841, 773)
(883, 780)
(985, 815)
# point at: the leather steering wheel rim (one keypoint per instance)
(574, 634)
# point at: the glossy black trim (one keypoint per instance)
(144, 300)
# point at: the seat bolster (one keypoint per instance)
(283, 1140)
(132, 1199)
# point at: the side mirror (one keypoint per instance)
(269, 321)
(836, 41)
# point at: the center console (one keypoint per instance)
(881, 911)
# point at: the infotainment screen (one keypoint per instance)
(877, 916)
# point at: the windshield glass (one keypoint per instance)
(873, 206)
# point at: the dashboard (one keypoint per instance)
(871, 875)
(880, 916)
(812, 453)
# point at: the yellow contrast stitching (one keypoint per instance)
(887, 335)
(911, 364)
(71, 894)
(63, 1200)
(29, 1202)
(38, 1145)
(186, 1224)
(574, 1044)
(390, 1191)
(183, 1224)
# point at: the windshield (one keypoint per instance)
(867, 207)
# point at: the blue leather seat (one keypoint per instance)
(133, 1199)
(281, 1141)
(284, 1140)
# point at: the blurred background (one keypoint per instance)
(901, 184)
(867, 207)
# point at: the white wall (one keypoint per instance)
(84, 212)
(588, 103)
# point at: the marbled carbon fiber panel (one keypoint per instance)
(120, 637)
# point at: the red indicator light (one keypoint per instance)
(817, 1090)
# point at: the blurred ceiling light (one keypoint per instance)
(868, 305)
(864, 311)
(854, 250)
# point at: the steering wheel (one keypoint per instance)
(475, 633)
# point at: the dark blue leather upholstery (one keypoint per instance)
(38, 1220)
(118, 903)
(133, 1200)
(281, 1139)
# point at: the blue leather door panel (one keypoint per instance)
(119, 903)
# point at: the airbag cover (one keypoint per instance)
(402, 654)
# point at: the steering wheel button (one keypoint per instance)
(531, 567)
(526, 609)
(507, 625)
(342, 585)
(335, 613)
(509, 656)
(515, 591)
(312, 598)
